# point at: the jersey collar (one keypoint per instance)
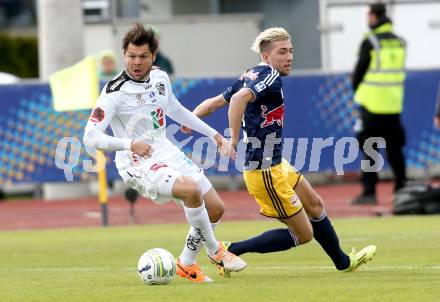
(128, 78)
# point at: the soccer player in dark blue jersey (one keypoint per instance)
(256, 104)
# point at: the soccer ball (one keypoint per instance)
(157, 266)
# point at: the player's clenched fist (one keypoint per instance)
(141, 148)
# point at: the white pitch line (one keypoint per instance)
(64, 269)
(368, 267)
(287, 267)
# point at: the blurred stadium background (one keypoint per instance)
(208, 42)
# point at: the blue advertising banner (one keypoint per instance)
(319, 118)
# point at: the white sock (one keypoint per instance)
(199, 219)
(192, 246)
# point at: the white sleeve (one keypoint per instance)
(94, 136)
(183, 116)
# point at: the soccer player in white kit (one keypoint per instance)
(135, 104)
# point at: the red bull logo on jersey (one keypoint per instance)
(274, 116)
(251, 74)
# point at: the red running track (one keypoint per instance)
(85, 212)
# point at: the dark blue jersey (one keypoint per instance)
(263, 118)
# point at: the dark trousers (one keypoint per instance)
(390, 128)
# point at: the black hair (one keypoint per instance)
(379, 9)
(139, 35)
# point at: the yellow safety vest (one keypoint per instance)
(381, 90)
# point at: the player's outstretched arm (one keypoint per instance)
(210, 105)
(236, 110)
(186, 117)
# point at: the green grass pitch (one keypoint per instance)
(99, 264)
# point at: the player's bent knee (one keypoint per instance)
(192, 191)
(319, 204)
(316, 207)
(302, 233)
(305, 236)
(187, 190)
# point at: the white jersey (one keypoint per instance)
(137, 110)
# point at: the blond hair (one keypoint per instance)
(267, 36)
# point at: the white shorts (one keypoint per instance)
(155, 179)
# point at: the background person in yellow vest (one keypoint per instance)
(378, 82)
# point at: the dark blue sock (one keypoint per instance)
(270, 241)
(325, 234)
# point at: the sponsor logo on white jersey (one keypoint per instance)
(152, 96)
(161, 88)
(140, 99)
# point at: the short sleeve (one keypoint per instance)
(267, 81)
(230, 91)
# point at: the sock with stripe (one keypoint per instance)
(270, 241)
(326, 236)
(198, 218)
(193, 245)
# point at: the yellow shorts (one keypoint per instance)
(273, 189)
